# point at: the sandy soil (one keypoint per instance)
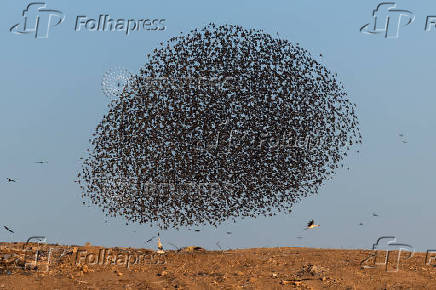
(39, 266)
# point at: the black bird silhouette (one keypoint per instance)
(374, 214)
(151, 239)
(229, 233)
(41, 162)
(8, 229)
(11, 180)
(360, 224)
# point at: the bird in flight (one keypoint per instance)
(374, 214)
(197, 230)
(229, 233)
(149, 240)
(8, 229)
(311, 224)
(403, 138)
(360, 224)
(41, 162)
(10, 180)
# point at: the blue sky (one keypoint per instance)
(51, 101)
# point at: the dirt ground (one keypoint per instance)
(41, 266)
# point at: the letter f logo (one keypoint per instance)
(38, 20)
(388, 20)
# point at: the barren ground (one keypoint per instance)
(90, 267)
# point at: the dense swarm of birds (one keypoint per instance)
(211, 129)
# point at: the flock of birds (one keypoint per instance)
(310, 225)
(159, 133)
(155, 139)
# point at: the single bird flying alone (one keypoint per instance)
(311, 225)
(11, 180)
(8, 229)
(149, 240)
(403, 138)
